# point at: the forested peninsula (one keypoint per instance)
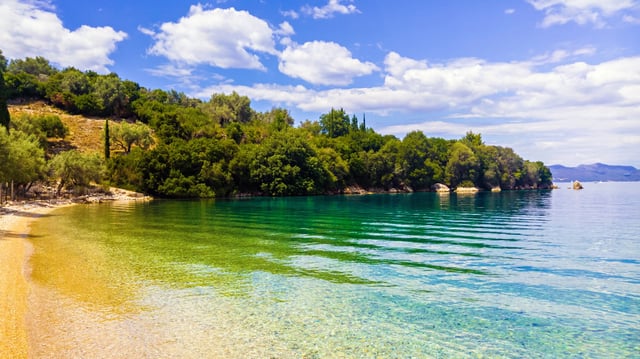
(167, 144)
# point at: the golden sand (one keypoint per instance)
(14, 229)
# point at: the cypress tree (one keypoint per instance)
(107, 141)
(4, 110)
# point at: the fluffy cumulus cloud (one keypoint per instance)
(323, 63)
(224, 38)
(474, 87)
(559, 12)
(564, 107)
(32, 28)
(330, 9)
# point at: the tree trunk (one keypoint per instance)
(60, 188)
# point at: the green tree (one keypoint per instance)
(27, 78)
(5, 118)
(286, 164)
(413, 157)
(225, 109)
(462, 167)
(74, 168)
(125, 135)
(112, 99)
(510, 167)
(41, 127)
(277, 118)
(64, 88)
(336, 123)
(32, 65)
(107, 140)
(3, 62)
(21, 158)
(338, 168)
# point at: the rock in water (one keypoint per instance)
(577, 185)
(439, 187)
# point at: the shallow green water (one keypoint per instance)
(514, 274)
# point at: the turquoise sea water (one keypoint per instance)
(537, 274)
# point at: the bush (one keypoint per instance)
(43, 127)
(76, 169)
(52, 126)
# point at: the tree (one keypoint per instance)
(41, 127)
(27, 78)
(125, 135)
(278, 118)
(21, 158)
(509, 167)
(75, 168)
(112, 99)
(5, 118)
(286, 164)
(3, 62)
(229, 108)
(336, 123)
(413, 156)
(34, 66)
(462, 167)
(107, 141)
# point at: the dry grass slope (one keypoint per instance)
(85, 133)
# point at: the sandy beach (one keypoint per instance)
(15, 221)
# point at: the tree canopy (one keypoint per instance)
(167, 144)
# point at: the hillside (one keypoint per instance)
(85, 133)
(176, 146)
(595, 172)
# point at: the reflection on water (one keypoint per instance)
(502, 274)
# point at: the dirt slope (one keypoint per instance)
(85, 133)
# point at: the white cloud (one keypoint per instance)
(32, 28)
(146, 31)
(559, 12)
(510, 11)
(476, 88)
(562, 55)
(323, 63)
(224, 38)
(284, 32)
(631, 19)
(170, 70)
(285, 29)
(573, 112)
(290, 13)
(328, 11)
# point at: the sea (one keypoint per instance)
(514, 274)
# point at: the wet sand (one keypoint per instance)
(15, 222)
(15, 287)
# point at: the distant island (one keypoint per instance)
(595, 172)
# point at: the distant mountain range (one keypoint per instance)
(594, 172)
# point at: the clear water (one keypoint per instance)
(549, 274)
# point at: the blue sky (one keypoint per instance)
(556, 80)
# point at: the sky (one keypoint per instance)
(556, 80)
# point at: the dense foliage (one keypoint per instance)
(167, 144)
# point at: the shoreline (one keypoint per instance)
(15, 225)
(16, 219)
